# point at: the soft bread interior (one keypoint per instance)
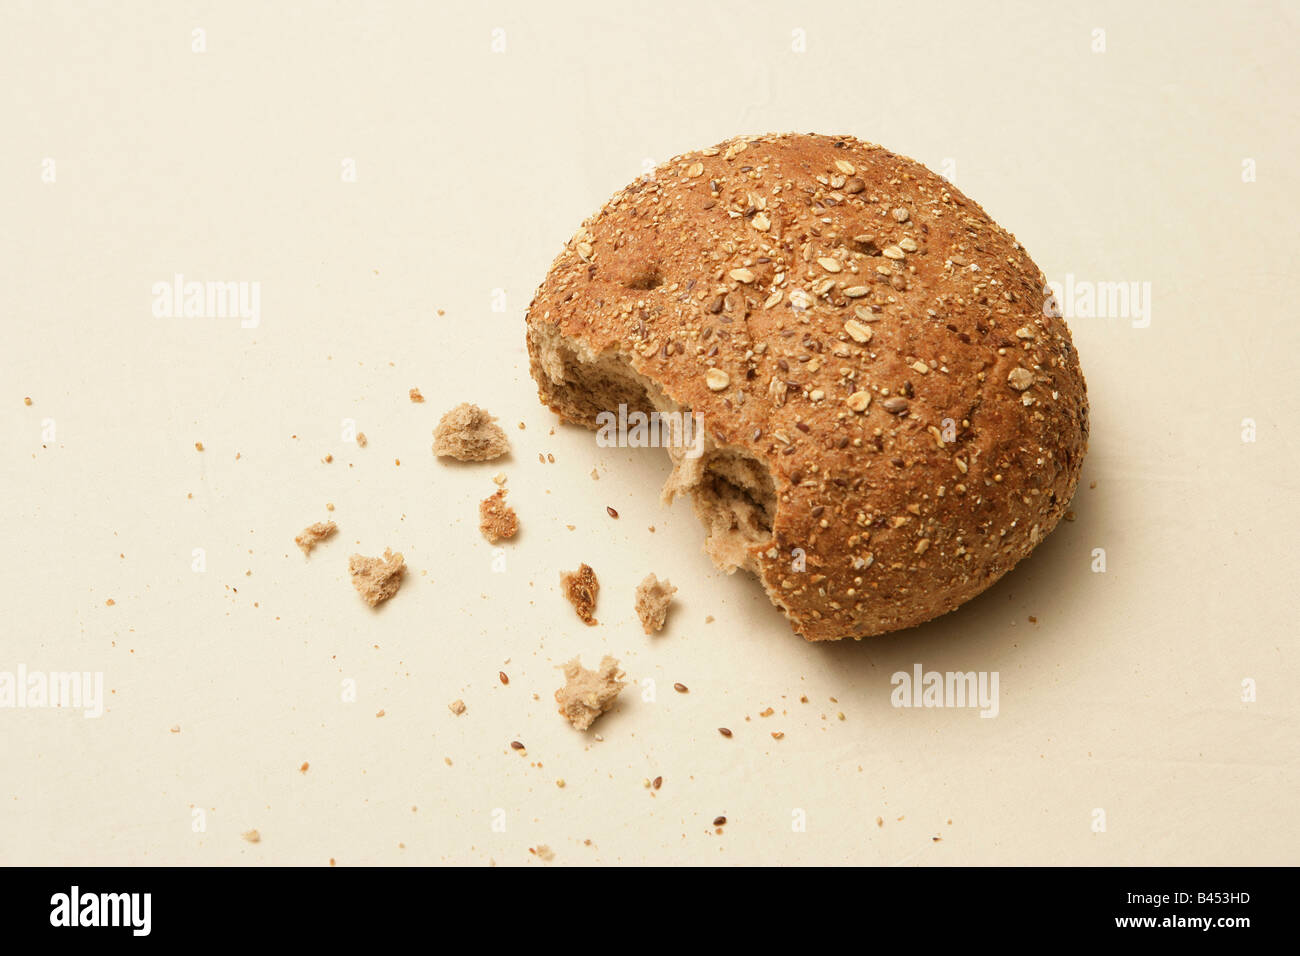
(732, 491)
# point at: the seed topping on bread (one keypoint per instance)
(867, 345)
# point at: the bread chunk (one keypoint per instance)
(581, 588)
(588, 694)
(893, 409)
(652, 599)
(468, 433)
(313, 534)
(377, 579)
(496, 519)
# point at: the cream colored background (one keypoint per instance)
(473, 169)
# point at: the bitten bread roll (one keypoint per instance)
(891, 418)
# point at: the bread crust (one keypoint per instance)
(857, 325)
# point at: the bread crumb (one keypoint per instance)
(652, 599)
(595, 475)
(252, 836)
(415, 396)
(544, 853)
(468, 433)
(588, 694)
(27, 400)
(499, 479)
(377, 579)
(198, 446)
(457, 707)
(313, 534)
(362, 440)
(110, 603)
(175, 728)
(581, 587)
(496, 519)
(305, 766)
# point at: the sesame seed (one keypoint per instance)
(717, 379)
(859, 401)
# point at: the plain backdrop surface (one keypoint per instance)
(480, 136)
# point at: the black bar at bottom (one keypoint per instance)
(331, 905)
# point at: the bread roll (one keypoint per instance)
(891, 417)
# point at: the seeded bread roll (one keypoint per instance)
(891, 418)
